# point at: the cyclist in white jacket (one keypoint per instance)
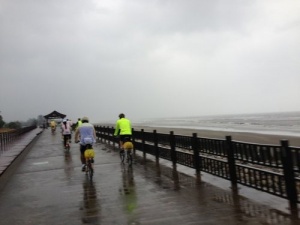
(85, 134)
(66, 131)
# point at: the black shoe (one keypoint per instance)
(83, 168)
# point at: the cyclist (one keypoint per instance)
(53, 125)
(71, 128)
(78, 123)
(85, 134)
(127, 145)
(70, 122)
(123, 129)
(127, 148)
(66, 131)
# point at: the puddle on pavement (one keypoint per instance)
(40, 163)
(90, 205)
(169, 178)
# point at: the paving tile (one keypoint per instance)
(49, 188)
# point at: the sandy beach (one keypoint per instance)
(248, 137)
(236, 136)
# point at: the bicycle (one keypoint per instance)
(126, 152)
(127, 157)
(53, 129)
(89, 155)
(66, 138)
(67, 146)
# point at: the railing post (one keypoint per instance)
(156, 145)
(100, 132)
(231, 162)
(289, 176)
(195, 148)
(112, 137)
(143, 143)
(172, 145)
(5, 138)
(103, 130)
(109, 135)
(133, 140)
(96, 129)
(1, 141)
(105, 134)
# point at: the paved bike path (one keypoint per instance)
(48, 187)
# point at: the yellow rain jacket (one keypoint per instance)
(123, 127)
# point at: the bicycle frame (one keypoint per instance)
(89, 168)
(126, 156)
(126, 153)
(89, 163)
(67, 146)
(53, 129)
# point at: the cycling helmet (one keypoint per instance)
(85, 119)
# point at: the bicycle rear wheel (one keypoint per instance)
(129, 158)
(68, 145)
(122, 155)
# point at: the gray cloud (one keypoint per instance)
(148, 58)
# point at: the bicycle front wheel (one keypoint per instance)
(91, 172)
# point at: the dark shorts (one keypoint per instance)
(67, 136)
(122, 137)
(82, 149)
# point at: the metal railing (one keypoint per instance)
(274, 169)
(8, 137)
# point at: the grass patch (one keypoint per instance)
(2, 130)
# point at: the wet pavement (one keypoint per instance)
(48, 187)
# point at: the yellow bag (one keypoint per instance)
(89, 153)
(128, 145)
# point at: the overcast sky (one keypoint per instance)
(148, 59)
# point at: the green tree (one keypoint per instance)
(2, 123)
(40, 120)
(31, 122)
(14, 125)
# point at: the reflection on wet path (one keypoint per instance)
(91, 207)
(127, 193)
(68, 166)
(243, 207)
(50, 188)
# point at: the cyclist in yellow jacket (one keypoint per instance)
(53, 126)
(123, 129)
(78, 124)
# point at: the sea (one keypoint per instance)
(283, 123)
